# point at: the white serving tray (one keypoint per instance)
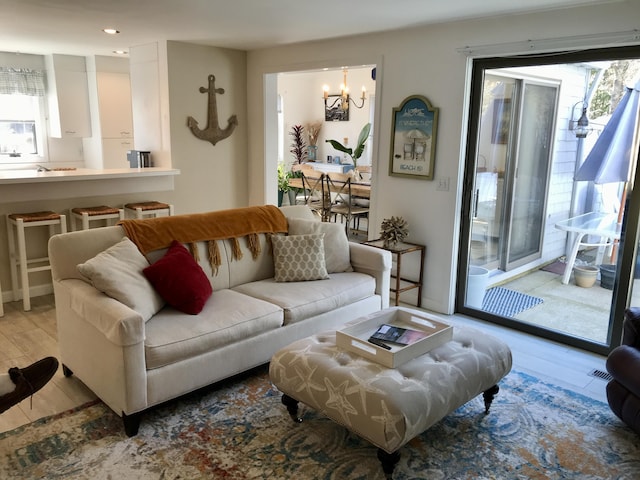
(354, 337)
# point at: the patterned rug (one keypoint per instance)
(240, 430)
(508, 303)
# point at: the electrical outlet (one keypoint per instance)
(443, 184)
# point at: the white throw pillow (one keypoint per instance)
(336, 244)
(298, 258)
(118, 273)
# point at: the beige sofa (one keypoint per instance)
(132, 363)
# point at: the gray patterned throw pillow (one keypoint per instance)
(299, 258)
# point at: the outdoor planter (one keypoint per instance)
(585, 276)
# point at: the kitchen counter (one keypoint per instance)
(30, 184)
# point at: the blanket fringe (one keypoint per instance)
(253, 242)
(236, 251)
(193, 249)
(214, 256)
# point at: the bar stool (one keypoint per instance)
(142, 209)
(91, 214)
(21, 221)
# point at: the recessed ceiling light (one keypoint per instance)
(110, 31)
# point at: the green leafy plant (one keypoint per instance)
(356, 153)
(283, 178)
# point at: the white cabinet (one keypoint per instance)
(114, 152)
(111, 117)
(68, 96)
(114, 104)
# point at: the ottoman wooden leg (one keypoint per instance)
(389, 461)
(292, 407)
(488, 396)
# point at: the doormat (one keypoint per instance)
(508, 303)
(556, 267)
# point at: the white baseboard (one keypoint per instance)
(36, 291)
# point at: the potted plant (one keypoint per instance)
(283, 182)
(356, 153)
(313, 131)
(298, 146)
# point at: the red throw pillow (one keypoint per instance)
(179, 280)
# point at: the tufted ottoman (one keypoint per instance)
(386, 406)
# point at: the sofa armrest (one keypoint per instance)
(375, 262)
(118, 323)
(631, 327)
(623, 363)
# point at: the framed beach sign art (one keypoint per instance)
(413, 139)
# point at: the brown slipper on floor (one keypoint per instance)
(28, 381)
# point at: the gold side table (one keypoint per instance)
(400, 249)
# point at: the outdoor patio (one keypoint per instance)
(578, 311)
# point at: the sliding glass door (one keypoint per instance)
(521, 189)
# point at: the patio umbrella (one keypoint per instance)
(612, 157)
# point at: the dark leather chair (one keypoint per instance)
(623, 363)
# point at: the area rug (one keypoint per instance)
(508, 303)
(240, 430)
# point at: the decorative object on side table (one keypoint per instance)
(356, 153)
(394, 230)
(413, 139)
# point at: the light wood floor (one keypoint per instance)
(24, 338)
(28, 336)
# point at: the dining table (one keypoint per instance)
(359, 189)
(598, 224)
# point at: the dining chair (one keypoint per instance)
(316, 195)
(343, 203)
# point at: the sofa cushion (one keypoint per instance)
(302, 300)
(336, 244)
(228, 317)
(179, 280)
(299, 258)
(117, 272)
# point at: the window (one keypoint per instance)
(22, 118)
(18, 126)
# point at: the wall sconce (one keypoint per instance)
(580, 127)
(344, 97)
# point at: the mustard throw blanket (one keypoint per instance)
(155, 233)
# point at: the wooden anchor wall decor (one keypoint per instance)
(212, 133)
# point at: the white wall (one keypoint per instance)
(166, 78)
(213, 177)
(420, 61)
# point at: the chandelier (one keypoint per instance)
(344, 97)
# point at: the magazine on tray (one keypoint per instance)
(397, 335)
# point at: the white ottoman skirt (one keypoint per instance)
(386, 406)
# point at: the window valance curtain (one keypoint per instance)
(22, 81)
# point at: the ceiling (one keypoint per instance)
(75, 26)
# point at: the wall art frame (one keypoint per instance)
(333, 111)
(414, 129)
